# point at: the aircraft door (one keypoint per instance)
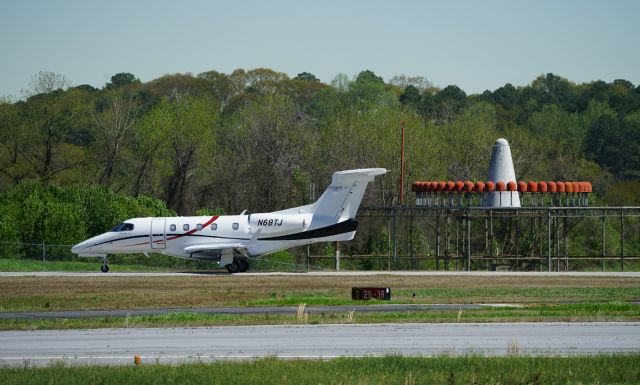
(157, 236)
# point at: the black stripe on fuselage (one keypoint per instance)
(119, 239)
(335, 229)
(339, 228)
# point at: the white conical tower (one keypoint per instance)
(501, 169)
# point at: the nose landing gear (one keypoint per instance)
(105, 265)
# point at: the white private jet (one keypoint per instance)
(232, 240)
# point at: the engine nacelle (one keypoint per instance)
(279, 224)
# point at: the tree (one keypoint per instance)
(265, 80)
(419, 82)
(114, 127)
(341, 82)
(222, 86)
(410, 97)
(307, 77)
(506, 96)
(178, 85)
(270, 150)
(616, 145)
(52, 114)
(448, 103)
(553, 89)
(369, 91)
(192, 122)
(467, 140)
(15, 141)
(122, 79)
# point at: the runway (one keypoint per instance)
(312, 309)
(178, 345)
(329, 274)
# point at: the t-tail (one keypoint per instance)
(339, 203)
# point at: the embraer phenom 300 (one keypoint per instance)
(232, 240)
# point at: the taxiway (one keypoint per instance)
(177, 345)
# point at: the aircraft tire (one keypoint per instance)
(243, 265)
(232, 267)
(104, 268)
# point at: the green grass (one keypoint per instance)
(600, 369)
(92, 265)
(614, 311)
(525, 294)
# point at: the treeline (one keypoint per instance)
(32, 213)
(262, 141)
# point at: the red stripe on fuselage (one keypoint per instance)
(210, 221)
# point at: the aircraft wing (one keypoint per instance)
(214, 246)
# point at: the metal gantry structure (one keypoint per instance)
(551, 238)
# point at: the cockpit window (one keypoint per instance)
(122, 227)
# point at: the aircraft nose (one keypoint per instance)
(79, 247)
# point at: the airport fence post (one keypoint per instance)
(437, 242)
(468, 242)
(549, 240)
(621, 241)
(395, 240)
(604, 252)
(44, 253)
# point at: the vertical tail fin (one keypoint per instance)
(342, 198)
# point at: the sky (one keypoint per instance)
(476, 45)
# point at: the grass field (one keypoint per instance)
(605, 369)
(547, 298)
(117, 292)
(92, 264)
(565, 313)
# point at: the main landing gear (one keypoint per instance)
(239, 265)
(105, 265)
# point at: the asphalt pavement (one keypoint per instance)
(206, 344)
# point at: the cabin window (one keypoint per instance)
(172, 227)
(235, 226)
(185, 227)
(214, 226)
(199, 226)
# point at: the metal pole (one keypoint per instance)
(446, 243)
(468, 220)
(621, 240)
(485, 253)
(549, 240)
(491, 233)
(413, 259)
(438, 242)
(566, 241)
(401, 199)
(395, 238)
(517, 241)
(604, 250)
(337, 256)
(457, 264)
(44, 254)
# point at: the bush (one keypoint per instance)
(32, 213)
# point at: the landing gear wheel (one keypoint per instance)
(105, 264)
(232, 267)
(243, 265)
